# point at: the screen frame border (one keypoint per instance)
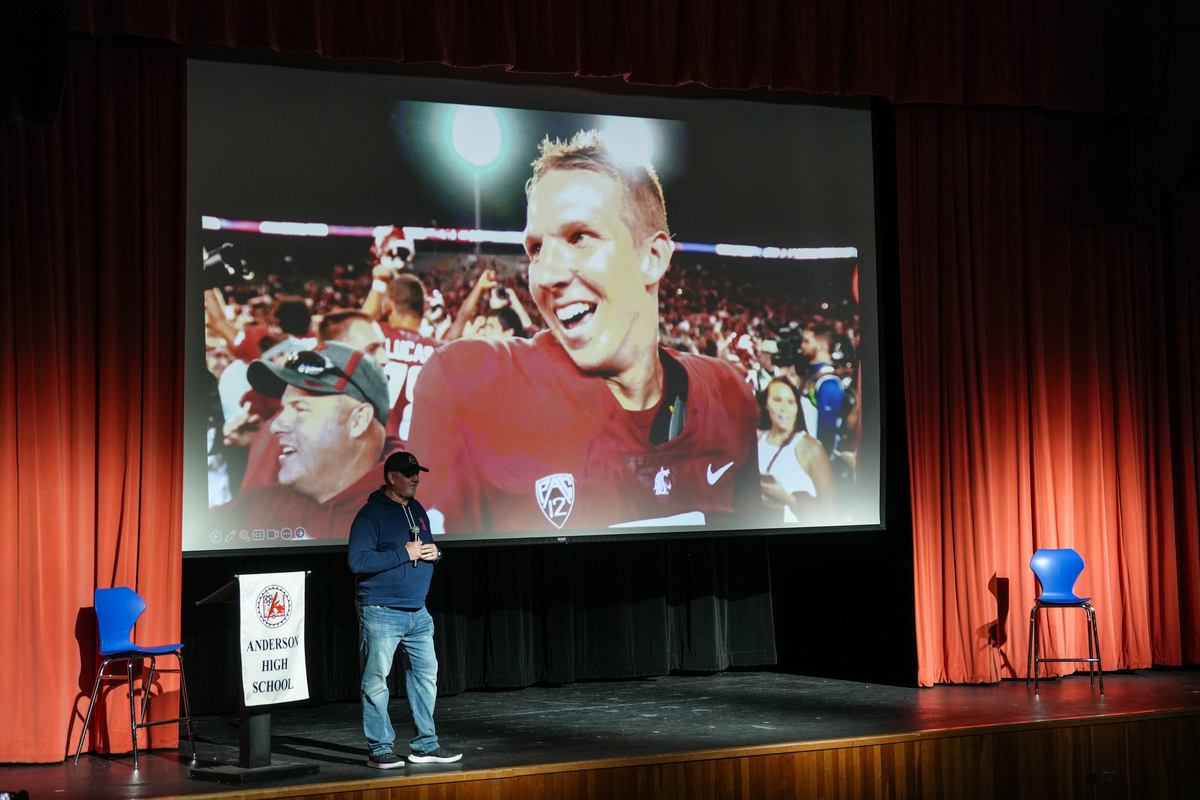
(887, 303)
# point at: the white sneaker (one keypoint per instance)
(439, 756)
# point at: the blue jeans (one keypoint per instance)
(380, 631)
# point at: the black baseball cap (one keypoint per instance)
(330, 368)
(402, 462)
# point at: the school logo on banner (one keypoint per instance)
(274, 606)
(274, 669)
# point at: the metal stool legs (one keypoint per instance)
(137, 721)
(187, 711)
(88, 719)
(1031, 653)
(1095, 638)
(132, 718)
(1095, 669)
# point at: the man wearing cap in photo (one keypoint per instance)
(392, 555)
(331, 435)
(347, 326)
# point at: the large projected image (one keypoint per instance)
(590, 320)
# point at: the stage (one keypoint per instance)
(731, 734)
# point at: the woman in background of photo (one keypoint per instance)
(796, 475)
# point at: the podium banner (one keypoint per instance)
(272, 612)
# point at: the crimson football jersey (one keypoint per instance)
(408, 352)
(518, 438)
(275, 511)
(248, 346)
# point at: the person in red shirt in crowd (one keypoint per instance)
(332, 440)
(391, 256)
(406, 348)
(490, 309)
(354, 329)
(591, 424)
(284, 319)
(246, 342)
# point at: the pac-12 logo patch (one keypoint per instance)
(274, 606)
(556, 496)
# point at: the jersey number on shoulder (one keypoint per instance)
(402, 379)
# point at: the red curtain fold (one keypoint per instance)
(91, 303)
(1051, 397)
(1075, 55)
(1181, 285)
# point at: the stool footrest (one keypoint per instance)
(185, 719)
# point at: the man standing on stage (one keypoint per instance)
(591, 424)
(392, 554)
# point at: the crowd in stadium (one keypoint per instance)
(707, 306)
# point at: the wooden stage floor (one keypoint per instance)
(732, 734)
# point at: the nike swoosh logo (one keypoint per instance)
(713, 477)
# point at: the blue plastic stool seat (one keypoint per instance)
(1057, 571)
(157, 650)
(117, 610)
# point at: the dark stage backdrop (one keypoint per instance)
(510, 616)
(91, 214)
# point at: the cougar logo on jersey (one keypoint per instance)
(556, 496)
(662, 482)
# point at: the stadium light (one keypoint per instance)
(478, 140)
(630, 140)
(476, 135)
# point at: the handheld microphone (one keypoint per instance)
(414, 533)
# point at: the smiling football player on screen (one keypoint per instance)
(591, 424)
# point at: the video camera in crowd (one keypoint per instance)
(841, 349)
(789, 354)
(222, 267)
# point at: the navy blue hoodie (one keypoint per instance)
(386, 575)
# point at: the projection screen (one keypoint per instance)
(667, 326)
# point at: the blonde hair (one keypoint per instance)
(644, 210)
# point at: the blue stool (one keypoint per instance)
(1057, 571)
(117, 610)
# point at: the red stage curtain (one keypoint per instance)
(1049, 339)
(1081, 55)
(1049, 346)
(91, 303)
